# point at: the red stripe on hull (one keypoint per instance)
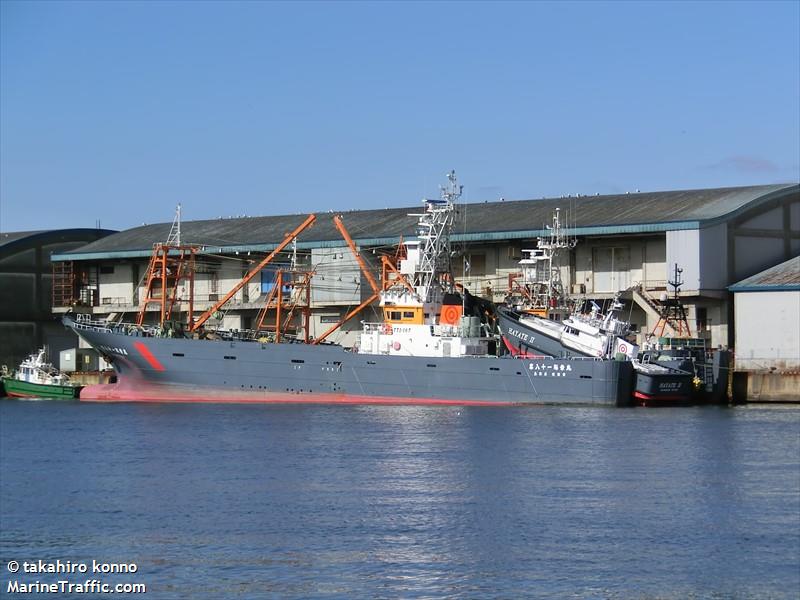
(519, 353)
(119, 393)
(148, 356)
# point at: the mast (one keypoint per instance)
(430, 256)
(423, 314)
(424, 276)
(170, 263)
(174, 237)
(540, 285)
(553, 248)
(672, 311)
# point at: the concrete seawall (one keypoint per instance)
(761, 386)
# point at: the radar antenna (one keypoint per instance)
(174, 237)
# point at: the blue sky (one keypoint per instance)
(117, 111)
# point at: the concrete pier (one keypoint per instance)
(767, 387)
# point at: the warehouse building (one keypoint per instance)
(26, 319)
(767, 322)
(628, 244)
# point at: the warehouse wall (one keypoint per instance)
(767, 330)
(714, 258)
(763, 237)
(613, 264)
(337, 277)
(683, 249)
(116, 284)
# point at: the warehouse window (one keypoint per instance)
(475, 265)
(268, 276)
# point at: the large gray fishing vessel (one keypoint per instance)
(430, 347)
(158, 369)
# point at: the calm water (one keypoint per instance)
(320, 501)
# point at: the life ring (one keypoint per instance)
(387, 329)
(450, 314)
(623, 348)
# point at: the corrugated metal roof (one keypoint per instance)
(785, 276)
(623, 213)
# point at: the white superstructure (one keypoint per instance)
(36, 369)
(422, 313)
(591, 334)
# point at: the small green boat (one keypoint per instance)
(36, 378)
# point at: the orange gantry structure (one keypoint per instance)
(291, 293)
(169, 266)
(253, 272)
(172, 264)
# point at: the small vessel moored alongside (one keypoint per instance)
(37, 378)
(599, 337)
(542, 321)
(710, 369)
(594, 335)
(657, 385)
(670, 344)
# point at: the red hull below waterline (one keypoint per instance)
(650, 400)
(154, 393)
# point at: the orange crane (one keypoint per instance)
(300, 284)
(253, 272)
(376, 291)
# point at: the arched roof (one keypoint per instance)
(15, 242)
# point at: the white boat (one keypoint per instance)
(592, 334)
